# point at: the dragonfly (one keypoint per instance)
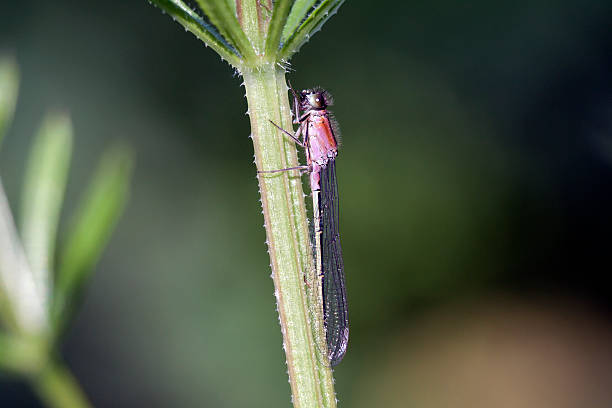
(318, 135)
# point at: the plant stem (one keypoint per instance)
(286, 225)
(57, 388)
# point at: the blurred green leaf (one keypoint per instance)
(7, 316)
(43, 193)
(9, 86)
(20, 296)
(22, 354)
(200, 28)
(279, 18)
(296, 16)
(57, 387)
(310, 26)
(90, 230)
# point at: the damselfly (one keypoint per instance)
(317, 136)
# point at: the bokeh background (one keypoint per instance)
(475, 181)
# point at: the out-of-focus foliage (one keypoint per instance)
(91, 228)
(471, 165)
(43, 193)
(34, 306)
(9, 83)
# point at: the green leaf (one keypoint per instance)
(57, 387)
(7, 314)
(299, 11)
(232, 5)
(310, 26)
(21, 303)
(9, 85)
(90, 230)
(200, 28)
(279, 19)
(224, 18)
(43, 193)
(20, 354)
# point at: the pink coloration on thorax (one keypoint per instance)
(321, 144)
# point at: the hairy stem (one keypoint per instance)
(287, 237)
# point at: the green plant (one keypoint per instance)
(258, 37)
(35, 302)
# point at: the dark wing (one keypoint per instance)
(335, 309)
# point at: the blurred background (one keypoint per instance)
(476, 195)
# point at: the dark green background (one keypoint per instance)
(475, 176)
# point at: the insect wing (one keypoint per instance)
(335, 310)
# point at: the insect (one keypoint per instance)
(317, 136)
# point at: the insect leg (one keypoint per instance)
(295, 109)
(302, 169)
(295, 138)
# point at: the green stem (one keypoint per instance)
(287, 237)
(57, 388)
